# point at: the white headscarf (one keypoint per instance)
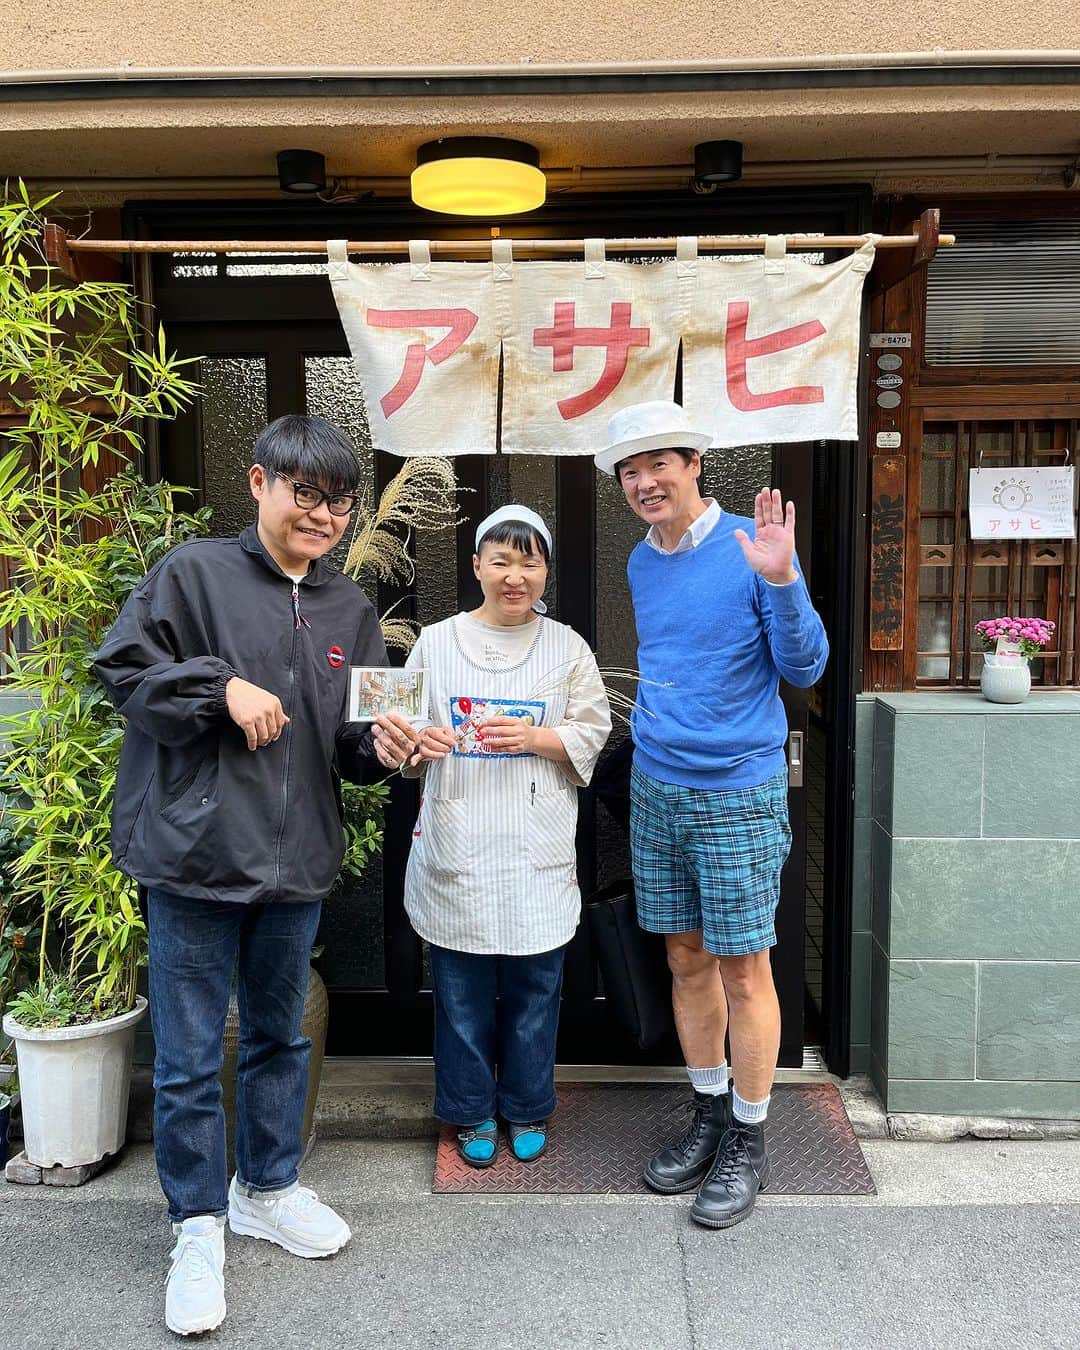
(518, 513)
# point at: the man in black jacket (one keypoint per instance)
(230, 662)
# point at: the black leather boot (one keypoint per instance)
(740, 1170)
(680, 1166)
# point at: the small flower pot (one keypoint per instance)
(74, 1083)
(1005, 681)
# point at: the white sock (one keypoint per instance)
(710, 1082)
(750, 1113)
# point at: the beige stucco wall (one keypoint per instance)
(81, 34)
(379, 136)
(229, 137)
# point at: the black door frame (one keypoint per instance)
(253, 299)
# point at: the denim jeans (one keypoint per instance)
(495, 1024)
(194, 947)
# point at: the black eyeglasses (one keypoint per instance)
(309, 498)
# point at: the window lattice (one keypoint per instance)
(961, 580)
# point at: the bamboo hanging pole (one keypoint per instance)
(923, 241)
(482, 247)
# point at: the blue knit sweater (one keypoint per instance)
(716, 638)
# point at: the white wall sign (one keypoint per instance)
(890, 339)
(1022, 503)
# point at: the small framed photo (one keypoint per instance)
(374, 690)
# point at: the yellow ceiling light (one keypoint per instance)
(478, 176)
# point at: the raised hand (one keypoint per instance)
(771, 552)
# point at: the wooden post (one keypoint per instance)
(57, 251)
(888, 497)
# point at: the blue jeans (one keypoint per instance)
(194, 946)
(495, 1024)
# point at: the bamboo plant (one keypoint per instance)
(81, 382)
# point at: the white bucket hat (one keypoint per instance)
(648, 426)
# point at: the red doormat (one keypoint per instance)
(602, 1135)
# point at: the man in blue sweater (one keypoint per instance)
(722, 614)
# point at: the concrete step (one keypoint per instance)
(391, 1098)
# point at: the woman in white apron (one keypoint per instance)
(518, 715)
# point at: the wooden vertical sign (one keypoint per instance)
(887, 500)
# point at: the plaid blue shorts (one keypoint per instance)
(710, 860)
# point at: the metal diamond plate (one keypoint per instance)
(602, 1135)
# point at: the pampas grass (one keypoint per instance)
(621, 704)
(422, 495)
(399, 633)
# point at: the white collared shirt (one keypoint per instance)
(698, 530)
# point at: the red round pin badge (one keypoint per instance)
(335, 656)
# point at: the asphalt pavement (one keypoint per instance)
(970, 1244)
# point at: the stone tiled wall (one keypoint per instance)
(966, 948)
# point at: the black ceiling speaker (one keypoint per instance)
(301, 171)
(717, 162)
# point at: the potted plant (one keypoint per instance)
(1010, 643)
(17, 941)
(72, 365)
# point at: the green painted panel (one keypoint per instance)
(861, 872)
(1028, 1100)
(1029, 1020)
(884, 731)
(937, 777)
(877, 1075)
(1032, 778)
(881, 845)
(861, 944)
(879, 1006)
(859, 1059)
(931, 1019)
(990, 898)
(864, 757)
(959, 701)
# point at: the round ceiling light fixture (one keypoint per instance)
(478, 176)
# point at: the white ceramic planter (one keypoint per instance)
(1005, 682)
(74, 1083)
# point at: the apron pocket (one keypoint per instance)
(551, 826)
(447, 839)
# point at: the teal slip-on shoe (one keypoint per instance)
(528, 1141)
(478, 1144)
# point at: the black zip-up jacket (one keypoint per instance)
(196, 812)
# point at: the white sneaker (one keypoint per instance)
(295, 1219)
(195, 1285)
